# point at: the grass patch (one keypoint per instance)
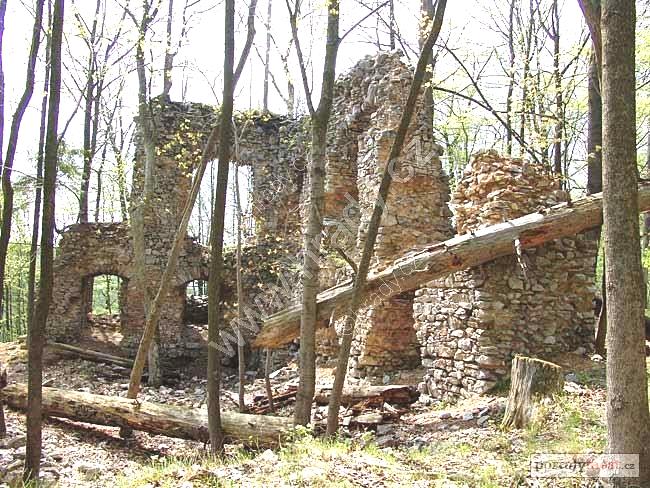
(467, 457)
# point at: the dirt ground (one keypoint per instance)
(78, 454)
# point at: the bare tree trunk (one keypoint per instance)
(7, 168)
(215, 310)
(628, 419)
(391, 23)
(267, 378)
(37, 327)
(559, 103)
(100, 172)
(511, 77)
(267, 54)
(525, 79)
(241, 354)
(373, 226)
(89, 94)
(169, 55)
(594, 130)
(33, 250)
(312, 233)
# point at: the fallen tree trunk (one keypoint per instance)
(155, 418)
(393, 394)
(87, 354)
(530, 381)
(438, 260)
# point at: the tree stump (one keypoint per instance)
(531, 380)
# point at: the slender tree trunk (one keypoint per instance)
(37, 327)
(427, 13)
(594, 130)
(511, 77)
(375, 219)
(314, 226)
(628, 419)
(33, 251)
(525, 79)
(89, 93)
(241, 354)
(267, 54)
(391, 24)
(169, 55)
(100, 172)
(12, 143)
(215, 310)
(267, 378)
(559, 103)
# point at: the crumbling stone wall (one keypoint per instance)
(472, 323)
(182, 129)
(367, 108)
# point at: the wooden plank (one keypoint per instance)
(461, 252)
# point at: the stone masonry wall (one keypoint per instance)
(367, 108)
(91, 249)
(472, 323)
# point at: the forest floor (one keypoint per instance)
(434, 444)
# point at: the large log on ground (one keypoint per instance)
(393, 394)
(530, 381)
(459, 253)
(87, 354)
(155, 418)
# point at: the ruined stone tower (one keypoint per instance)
(473, 322)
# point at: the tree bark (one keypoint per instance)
(628, 419)
(559, 103)
(169, 55)
(316, 191)
(89, 128)
(37, 327)
(458, 253)
(215, 282)
(33, 250)
(373, 226)
(267, 54)
(267, 378)
(531, 379)
(511, 77)
(155, 418)
(241, 353)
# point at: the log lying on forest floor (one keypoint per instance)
(459, 253)
(87, 354)
(393, 394)
(155, 418)
(531, 380)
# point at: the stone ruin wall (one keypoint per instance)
(368, 104)
(473, 322)
(463, 329)
(88, 250)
